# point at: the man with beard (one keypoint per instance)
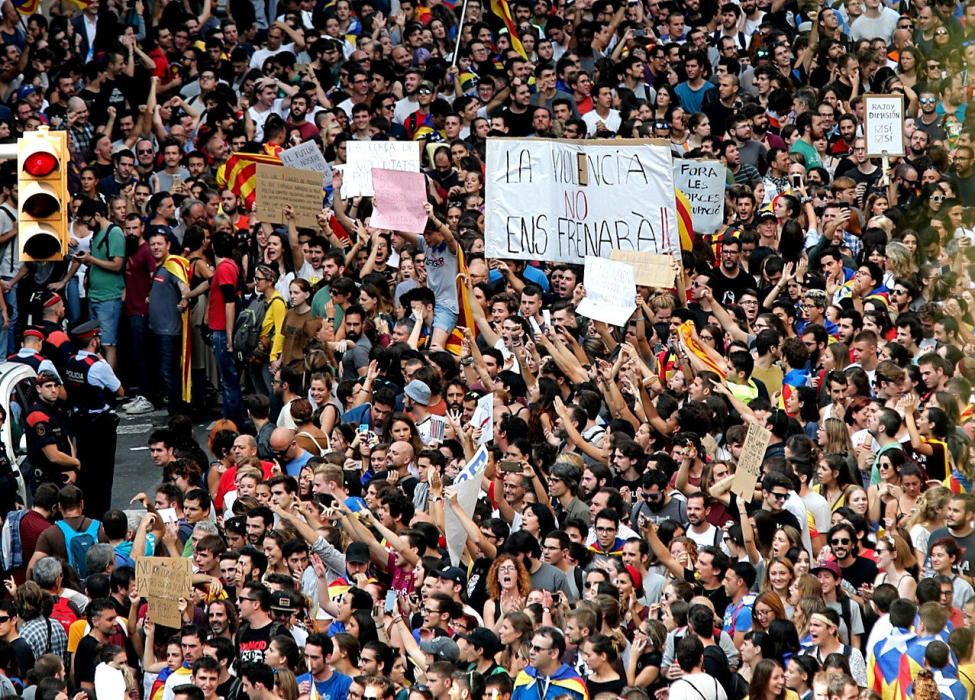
(563, 484)
(221, 619)
(658, 504)
(958, 526)
(333, 267)
(167, 304)
(729, 281)
(355, 359)
(298, 118)
(856, 570)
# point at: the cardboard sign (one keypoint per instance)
(398, 200)
(278, 186)
(559, 200)
(164, 580)
(610, 291)
(306, 156)
(649, 269)
(883, 125)
(750, 463)
(363, 156)
(704, 182)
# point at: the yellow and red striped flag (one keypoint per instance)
(502, 11)
(239, 174)
(465, 318)
(180, 268)
(685, 224)
(27, 7)
(685, 330)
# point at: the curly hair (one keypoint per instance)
(524, 581)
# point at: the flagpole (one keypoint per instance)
(460, 31)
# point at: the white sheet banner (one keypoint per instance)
(611, 293)
(561, 200)
(704, 183)
(363, 156)
(468, 487)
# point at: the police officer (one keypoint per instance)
(49, 448)
(56, 346)
(92, 390)
(30, 353)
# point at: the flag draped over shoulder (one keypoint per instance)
(239, 174)
(180, 268)
(465, 318)
(502, 11)
(885, 673)
(29, 7)
(693, 346)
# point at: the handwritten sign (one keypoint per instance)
(883, 126)
(558, 200)
(363, 156)
(164, 580)
(610, 291)
(704, 183)
(649, 269)
(398, 200)
(750, 463)
(277, 186)
(483, 418)
(306, 156)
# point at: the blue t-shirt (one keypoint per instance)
(293, 468)
(335, 688)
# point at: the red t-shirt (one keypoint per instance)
(138, 281)
(228, 482)
(225, 274)
(32, 526)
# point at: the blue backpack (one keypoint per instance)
(77, 543)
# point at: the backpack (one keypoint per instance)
(247, 330)
(65, 613)
(77, 543)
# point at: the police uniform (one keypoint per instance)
(57, 345)
(92, 387)
(46, 425)
(32, 358)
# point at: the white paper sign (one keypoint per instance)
(363, 156)
(468, 487)
(565, 200)
(704, 183)
(883, 127)
(610, 291)
(483, 418)
(306, 156)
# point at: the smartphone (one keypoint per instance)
(177, 181)
(510, 466)
(796, 180)
(547, 317)
(363, 428)
(390, 604)
(640, 33)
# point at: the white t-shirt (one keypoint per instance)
(697, 686)
(612, 121)
(261, 55)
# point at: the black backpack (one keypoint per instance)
(247, 329)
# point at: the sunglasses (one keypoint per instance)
(839, 541)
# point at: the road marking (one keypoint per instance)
(136, 429)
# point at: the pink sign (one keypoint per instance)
(398, 200)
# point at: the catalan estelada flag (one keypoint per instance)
(884, 672)
(465, 318)
(239, 174)
(28, 7)
(501, 10)
(180, 268)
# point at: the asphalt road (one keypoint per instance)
(134, 472)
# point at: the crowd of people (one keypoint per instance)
(613, 551)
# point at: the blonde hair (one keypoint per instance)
(767, 583)
(899, 259)
(928, 505)
(837, 437)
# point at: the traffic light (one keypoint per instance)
(42, 179)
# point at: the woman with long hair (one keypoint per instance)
(327, 412)
(833, 438)
(399, 427)
(646, 655)
(768, 682)
(285, 255)
(508, 586)
(300, 327)
(283, 653)
(515, 632)
(779, 575)
(889, 464)
(600, 654)
(835, 479)
(929, 516)
(929, 433)
(767, 608)
(537, 519)
(945, 557)
(799, 674)
(894, 558)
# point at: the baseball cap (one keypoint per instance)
(485, 639)
(453, 573)
(357, 553)
(444, 648)
(830, 566)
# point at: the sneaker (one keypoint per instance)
(138, 406)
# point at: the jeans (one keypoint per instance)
(227, 367)
(169, 347)
(72, 301)
(108, 313)
(8, 335)
(138, 327)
